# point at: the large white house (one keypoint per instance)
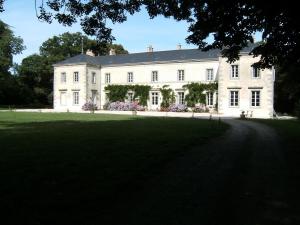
(241, 87)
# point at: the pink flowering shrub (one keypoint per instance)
(177, 108)
(201, 108)
(124, 106)
(89, 106)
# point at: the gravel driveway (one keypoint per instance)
(237, 179)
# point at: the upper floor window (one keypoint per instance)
(130, 77)
(76, 77)
(234, 71)
(255, 72)
(209, 74)
(234, 98)
(107, 78)
(255, 98)
(93, 78)
(154, 76)
(63, 77)
(180, 75)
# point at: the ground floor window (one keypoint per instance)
(255, 98)
(181, 98)
(234, 98)
(75, 98)
(130, 97)
(63, 98)
(209, 98)
(154, 98)
(94, 96)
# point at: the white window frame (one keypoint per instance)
(154, 76)
(255, 101)
(154, 98)
(107, 78)
(75, 97)
(94, 79)
(180, 75)
(94, 97)
(60, 98)
(209, 98)
(234, 71)
(257, 71)
(237, 92)
(130, 77)
(76, 77)
(63, 77)
(210, 74)
(181, 96)
(130, 97)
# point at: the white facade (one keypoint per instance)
(253, 95)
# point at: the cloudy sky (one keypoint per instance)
(135, 34)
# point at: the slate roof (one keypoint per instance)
(146, 57)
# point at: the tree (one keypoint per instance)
(231, 22)
(9, 46)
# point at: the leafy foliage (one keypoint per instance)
(232, 23)
(168, 96)
(287, 89)
(197, 92)
(117, 93)
(11, 92)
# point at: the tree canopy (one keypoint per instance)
(9, 45)
(231, 22)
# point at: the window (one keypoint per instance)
(210, 74)
(63, 77)
(93, 78)
(63, 98)
(94, 97)
(130, 97)
(255, 72)
(75, 98)
(209, 99)
(107, 78)
(130, 77)
(255, 98)
(154, 98)
(234, 71)
(154, 76)
(76, 77)
(234, 98)
(180, 75)
(181, 98)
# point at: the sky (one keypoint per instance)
(135, 34)
(138, 32)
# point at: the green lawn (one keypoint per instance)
(72, 168)
(289, 132)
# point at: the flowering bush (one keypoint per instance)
(89, 106)
(201, 108)
(123, 106)
(177, 108)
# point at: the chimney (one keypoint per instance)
(90, 53)
(112, 51)
(178, 47)
(150, 48)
